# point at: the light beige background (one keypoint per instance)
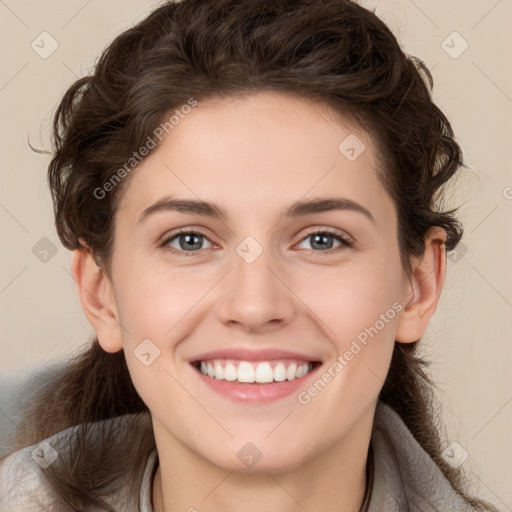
(469, 339)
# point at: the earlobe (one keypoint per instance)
(97, 298)
(422, 292)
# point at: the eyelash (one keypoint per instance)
(345, 241)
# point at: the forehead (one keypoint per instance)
(259, 152)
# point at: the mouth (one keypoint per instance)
(255, 372)
(246, 375)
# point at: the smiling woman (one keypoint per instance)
(258, 279)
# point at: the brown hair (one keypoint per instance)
(331, 51)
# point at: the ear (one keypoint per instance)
(98, 300)
(424, 287)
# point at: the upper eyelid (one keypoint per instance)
(345, 238)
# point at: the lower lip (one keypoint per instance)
(255, 392)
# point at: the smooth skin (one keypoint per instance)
(253, 157)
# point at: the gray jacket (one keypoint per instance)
(405, 478)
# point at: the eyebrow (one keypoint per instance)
(297, 209)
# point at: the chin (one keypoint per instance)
(248, 458)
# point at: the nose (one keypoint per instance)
(255, 297)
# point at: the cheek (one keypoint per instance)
(153, 308)
(151, 302)
(353, 298)
(358, 310)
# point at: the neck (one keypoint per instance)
(334, 479)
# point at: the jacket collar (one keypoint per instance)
(405, 477)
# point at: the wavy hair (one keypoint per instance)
(332, 51)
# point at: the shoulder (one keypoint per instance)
(405, 476)
(23, 485)
(25, 475)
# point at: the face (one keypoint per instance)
(258, 285)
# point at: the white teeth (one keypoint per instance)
(264, 373)
(254, 372)
(219, 371)
(245, 372)
(291, 372)
(230, 372)
(279, 372)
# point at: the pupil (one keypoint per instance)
(323, 243)
(188, 239)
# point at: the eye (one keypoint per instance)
(322, 240)
(187, 242)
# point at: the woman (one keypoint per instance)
(251, 191)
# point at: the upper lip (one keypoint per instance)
(246, 354)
